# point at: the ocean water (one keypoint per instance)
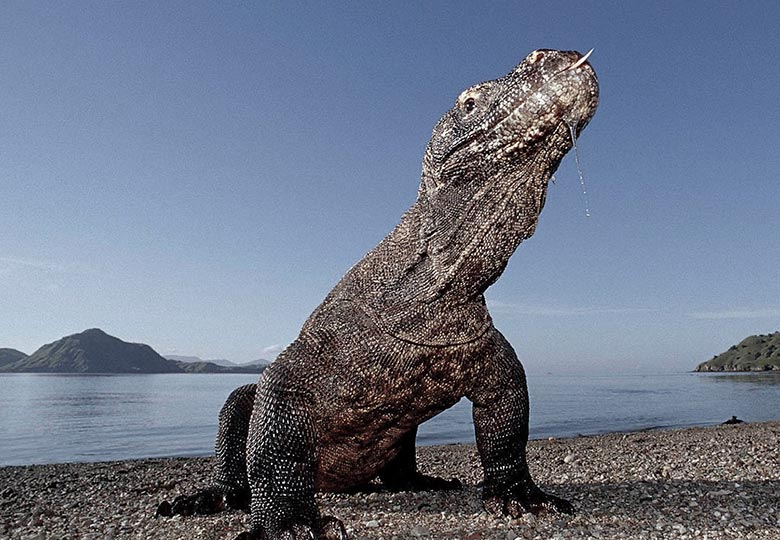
(70, 418)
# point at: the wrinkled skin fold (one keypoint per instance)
(406, 333)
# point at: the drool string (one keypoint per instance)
(579, 168)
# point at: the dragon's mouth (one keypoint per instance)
(564, 95)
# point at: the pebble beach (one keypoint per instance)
(703, 483)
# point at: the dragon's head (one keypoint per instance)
(490, 157)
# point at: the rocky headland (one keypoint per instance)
(754, 353)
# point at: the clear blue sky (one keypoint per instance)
(196, 176)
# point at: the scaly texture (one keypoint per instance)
(406, 333)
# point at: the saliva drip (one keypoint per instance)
(579, 168)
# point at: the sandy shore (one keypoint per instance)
(719, 482)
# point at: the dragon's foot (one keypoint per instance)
(330, 528)
(207, 501)
(422, 482)
(535, 502)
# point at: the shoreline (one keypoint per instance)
(701, 482)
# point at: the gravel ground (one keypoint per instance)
(708, 483)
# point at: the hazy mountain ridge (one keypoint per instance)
(210, 367)
(754, 353)
(218, 361)
(196, 360)
(94, 351)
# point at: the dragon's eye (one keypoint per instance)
(469, 105)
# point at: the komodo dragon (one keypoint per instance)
(406, 332)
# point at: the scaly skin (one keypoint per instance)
(406, 333)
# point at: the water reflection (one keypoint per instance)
(56, 418)
(762, 378)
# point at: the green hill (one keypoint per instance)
(94, 351)
(9, 356)
(754, 353)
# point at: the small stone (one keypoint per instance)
(570, 458)
(419, 530)
(373, 524)
(720, 492)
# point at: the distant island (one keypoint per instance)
(755, 353)
(94, 351)
(217, 361)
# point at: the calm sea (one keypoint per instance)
(67, 418)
